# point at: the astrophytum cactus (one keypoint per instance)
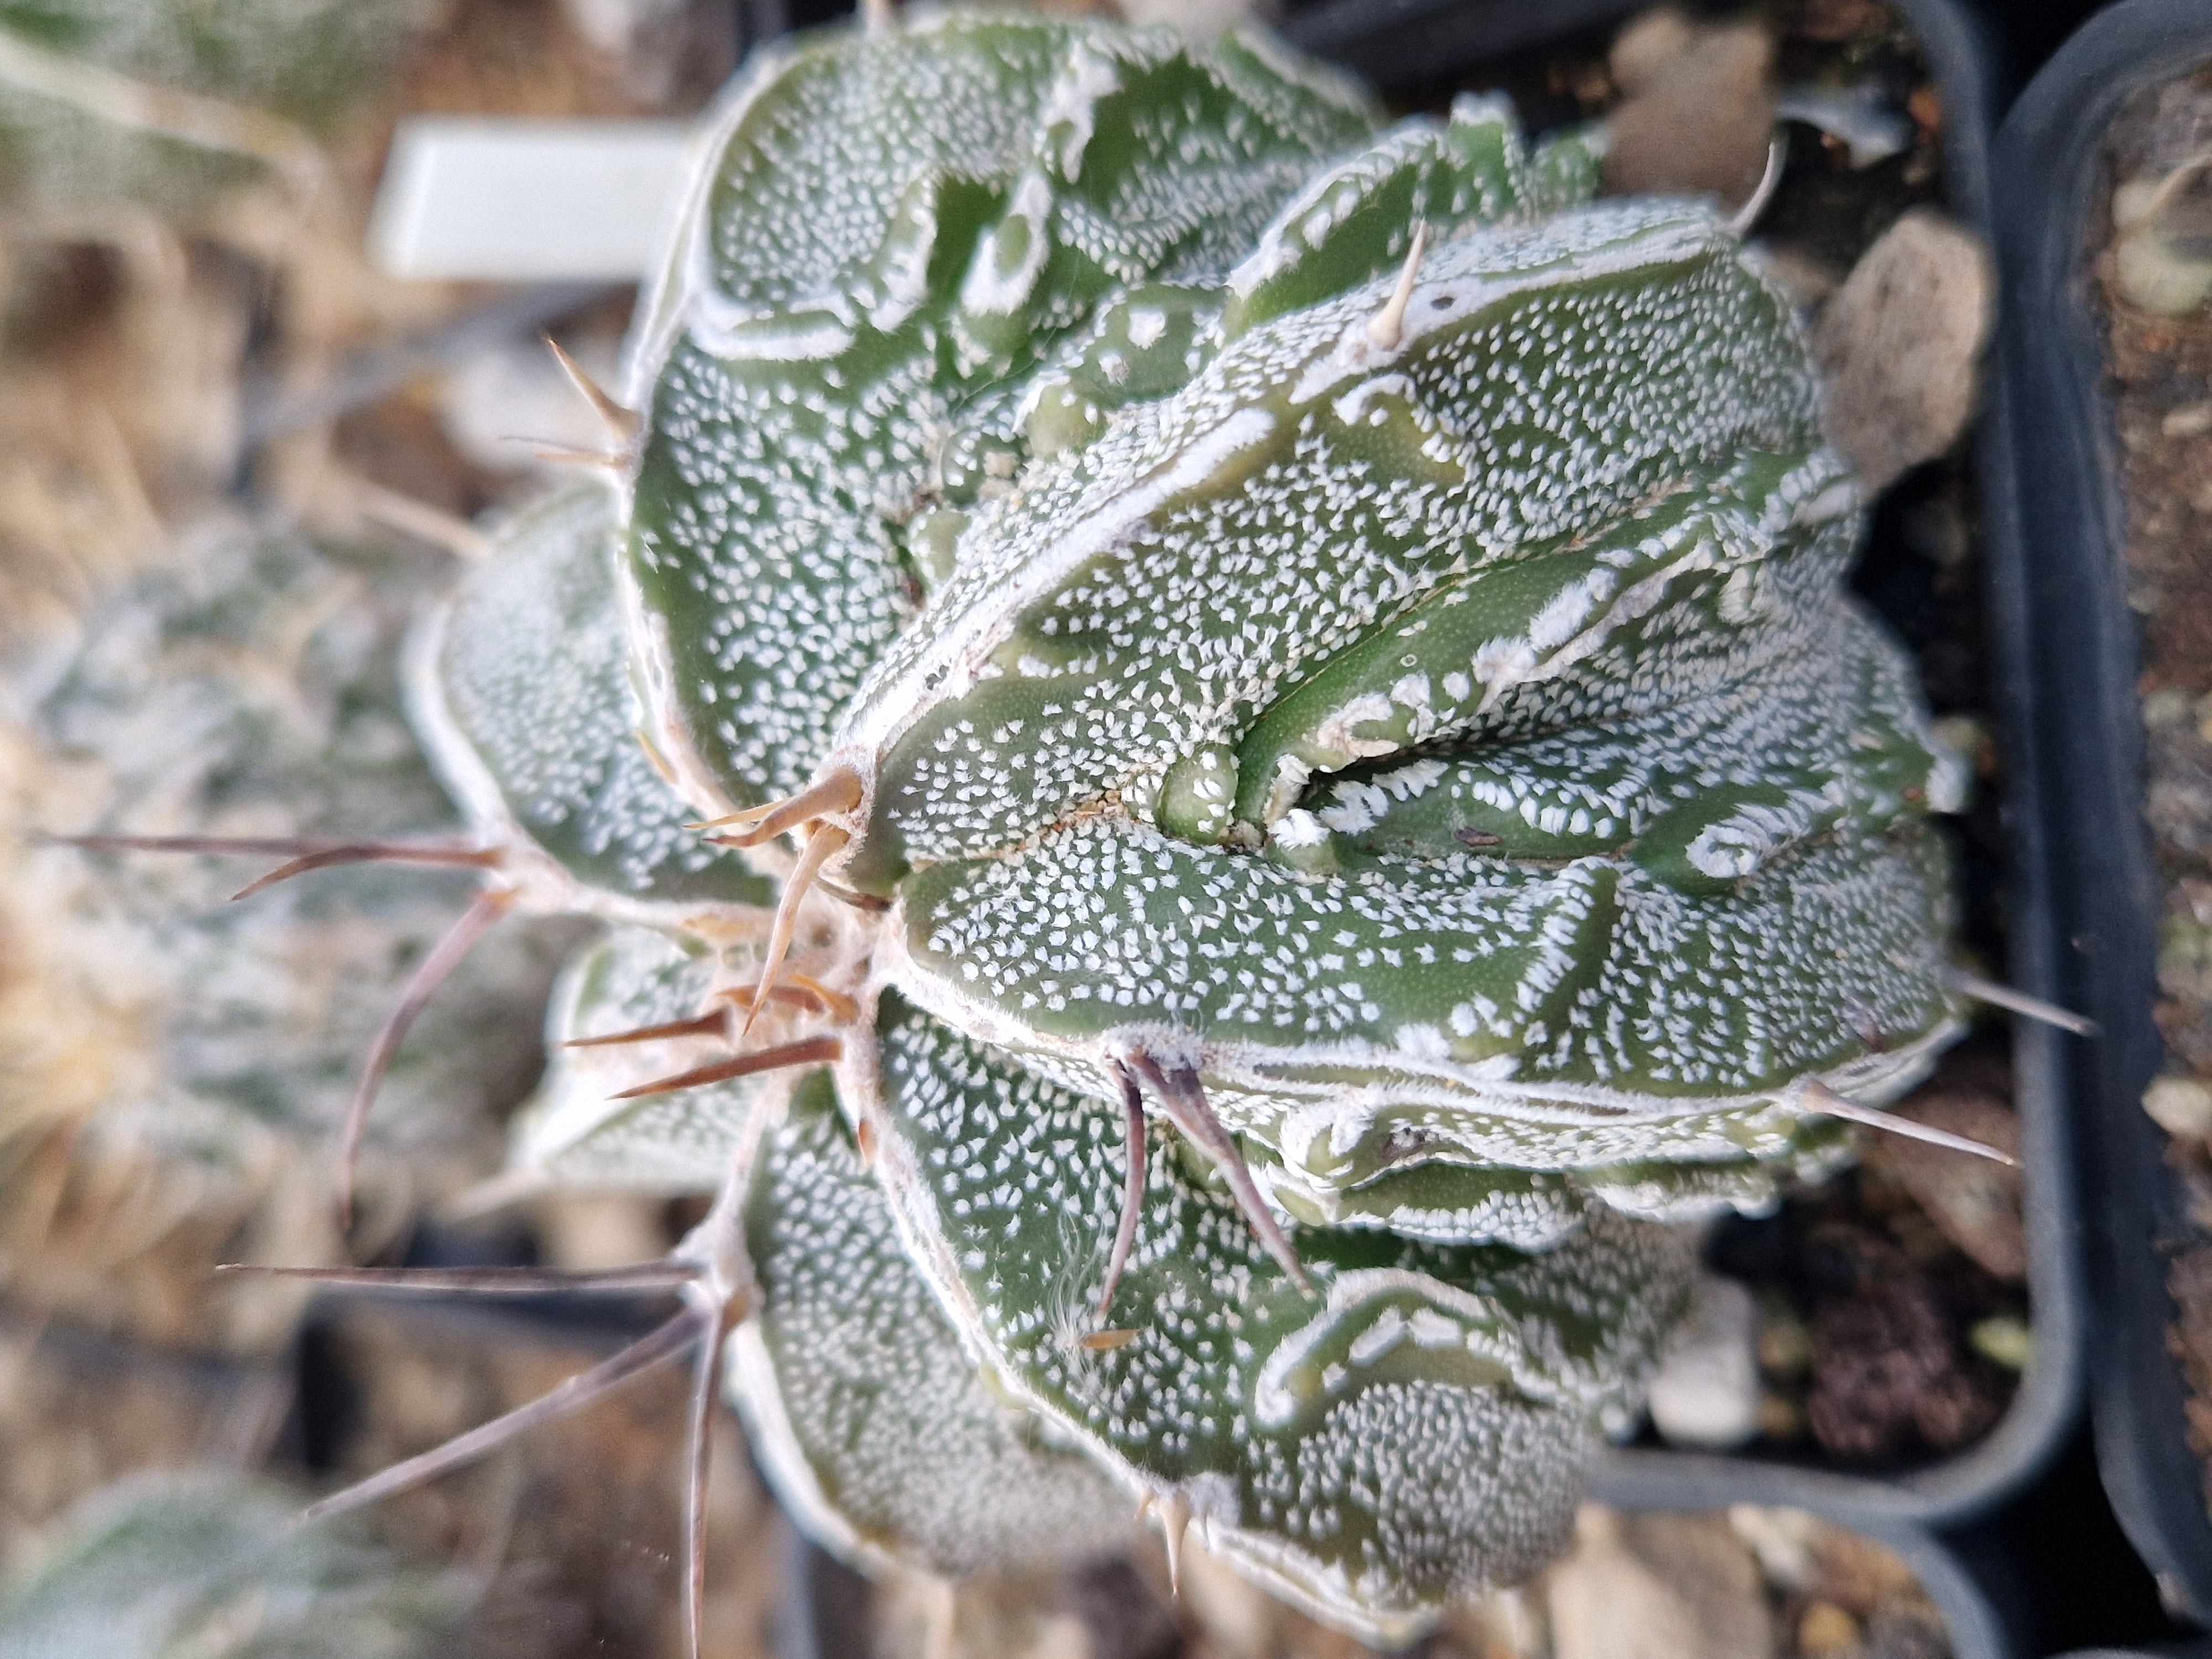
(211, 1566)
(1333, 640)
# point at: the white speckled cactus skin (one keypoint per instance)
(1439, 744)
(1420, 712)
(1331, 638)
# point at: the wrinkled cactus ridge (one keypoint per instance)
(1413, 1432)
(523, 693)
(576, 1132)
(879, 1431)
(890, 226)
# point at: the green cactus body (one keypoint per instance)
(1404, 691)
(1441, 1008)
(1336, 640)
(878, 1430)
(522, 692)
(885, 229)
(1414, 1432)
(1565, 536)
(1175, 580)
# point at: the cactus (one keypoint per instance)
(212, 1565)
(109, 103)
(1180, 605)
(250, 688)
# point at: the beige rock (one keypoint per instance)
(2004, 1340)
(1974, 1201)
(2157, 260)
(1657, 1587)
(1900, 345)
(2190, 420)
(1698, 120)
(1647, 44)
(2182, 1106)
(1826, 1631)
(1783, 1541)
(1706, 1392)
(1857, 1574)
(1808, 281)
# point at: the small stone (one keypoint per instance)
(2169, 705)
(1702, 1556)
(2004, 1340)
(1900, 344)
(1807, 280)
(1785, 1346)
(1970, 739)
(2182, 1106)
(1707, 1392)
(1780, 1418)
(1700, 121)
(1647, 44)
(1925, 107)
(1909, 1632)
(1857, 1574)
(2158, 259)
(2185, 948)
(2187, 422)
(1782, 1539)
(1657, 1587)
(1826, 1631)
(1974, 1201)
(2193, 891)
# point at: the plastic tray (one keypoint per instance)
(2061, 526)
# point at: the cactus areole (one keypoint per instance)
(1290, 788)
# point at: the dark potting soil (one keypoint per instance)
(2158, 370)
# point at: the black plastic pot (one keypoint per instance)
(2063, 526)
